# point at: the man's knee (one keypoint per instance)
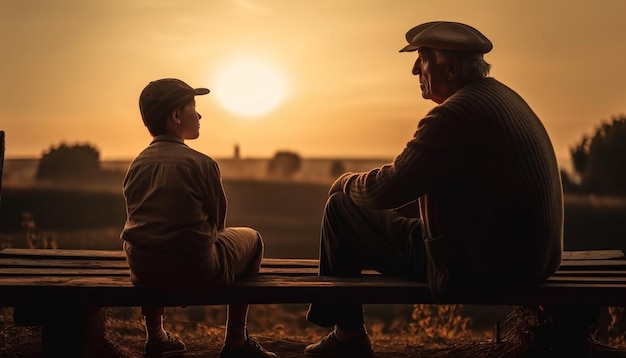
(338, 198)
(260, 245)
(339, 204)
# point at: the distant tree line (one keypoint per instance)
(599, 162)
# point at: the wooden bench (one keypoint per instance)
(64, 290)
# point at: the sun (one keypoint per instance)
(249, 88)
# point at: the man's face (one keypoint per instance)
(433, 76)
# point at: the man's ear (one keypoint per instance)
(453, 68)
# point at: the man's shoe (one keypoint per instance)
(170, 348)
(331, 347)
(250, 349)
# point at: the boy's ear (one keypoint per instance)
(174, 116)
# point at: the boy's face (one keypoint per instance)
(189, 126)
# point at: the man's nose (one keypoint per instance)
(199, 115)
(416, 68)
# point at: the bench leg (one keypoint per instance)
(76, 332)
(566, 330)
(71, 331)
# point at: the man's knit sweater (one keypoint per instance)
(483, 169)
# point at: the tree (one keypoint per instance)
(600, 160)
(78, 161)
(569, 185)
(284, 164)
(337, 168)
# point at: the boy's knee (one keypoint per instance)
(260, 244)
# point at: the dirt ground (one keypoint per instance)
(25, 343)
(125, 339)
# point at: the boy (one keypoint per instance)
(175, 237)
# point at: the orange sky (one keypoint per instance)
(72, 70)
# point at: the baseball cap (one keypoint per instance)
(162, 96)
(447, 36)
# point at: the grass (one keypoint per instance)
(286, 333)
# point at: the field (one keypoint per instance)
(286, 213)
(288, 216)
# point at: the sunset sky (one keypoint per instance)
(326, 74)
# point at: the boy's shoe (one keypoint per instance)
(250, 349)
(331, 347)
(170, 348)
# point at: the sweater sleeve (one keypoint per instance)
(426, 159)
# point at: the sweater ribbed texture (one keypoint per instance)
(487, 179)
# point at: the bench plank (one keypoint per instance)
(593, 255)
(107, 258)
(119, 254)
(57, 288)
(53, 262)
(67, 255)
(592, 264)
(125, 271)
(117, 291)
(101, 278)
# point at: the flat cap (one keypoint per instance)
(448, 36)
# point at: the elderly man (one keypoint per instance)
(473, 201)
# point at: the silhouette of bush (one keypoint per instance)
(65, 162)
(600, 160)
(337, 168)
(284, 164)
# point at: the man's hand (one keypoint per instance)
(339, 184)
